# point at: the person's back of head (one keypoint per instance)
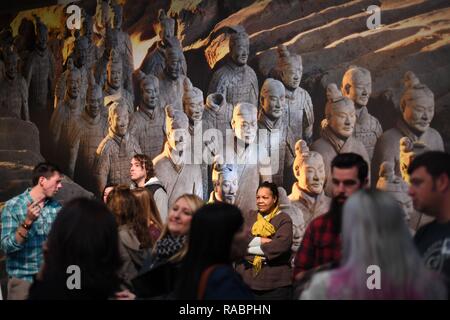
(375, 237)
(213, 229)
(83, 239)
(146, 207)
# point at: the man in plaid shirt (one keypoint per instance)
(26, 222)
(321, 244)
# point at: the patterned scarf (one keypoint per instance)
(263, 228)
(168, 246)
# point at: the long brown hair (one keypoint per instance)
(147, 205)
(195, 203)
(125, 208)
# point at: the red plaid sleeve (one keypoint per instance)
(304, 259)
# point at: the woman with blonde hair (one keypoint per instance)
(146, 204)
(158, 277)
(379, 259)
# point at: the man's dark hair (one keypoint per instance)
(44, 169)
(435, 162)
(350, 160)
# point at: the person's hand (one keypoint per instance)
(125, 295)
(33, 211)
(265, 240)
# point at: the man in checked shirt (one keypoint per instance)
(26, 222)
(321, 245)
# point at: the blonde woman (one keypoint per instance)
(158, 277)
(375, 234)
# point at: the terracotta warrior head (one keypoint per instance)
(114, 70)
(165, 27)
(357, 85)
(289, 68)
(118, 16)
(193, 101)
(88, 26)
(81, 51)
(118, 118)
(339, 112)
(272, 98)
(309, 169)
(41, 34)
(225, 181)
(244, 122)
(11, 63)
(149, 85)
(94, 98)
(239, 45)
(417, 103)
(177, 125)
(73, 83)
(387, 171)
(173, 58)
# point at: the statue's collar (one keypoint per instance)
(302, 196)
(267, 122)
(175, 157)
(407, 131)
(334, 140)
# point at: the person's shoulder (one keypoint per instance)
(425, 230)
(284, 216)
(319, 221)
(55, 204)
(20, 199)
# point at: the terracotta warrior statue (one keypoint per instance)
(398, 188)
(218, 113)
(299, 113)
(93, 52)
(236, 80)
(13, 90)
(154, 61)
(39, 74)
(337, 132)
(114, 153)
(408, 151)
(90, 130)
(147, 123)
(171, 80)
(270, 118)
(308, 193)
(124, 43)
(357, 85)
(114, 89)
(193, 107)
(65, 117)
(177, 175)
(250, 158)
(77, 59)
(417, 107)
(225, 182)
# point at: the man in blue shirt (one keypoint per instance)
(26, 222)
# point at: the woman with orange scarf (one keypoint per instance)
(266, 269)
